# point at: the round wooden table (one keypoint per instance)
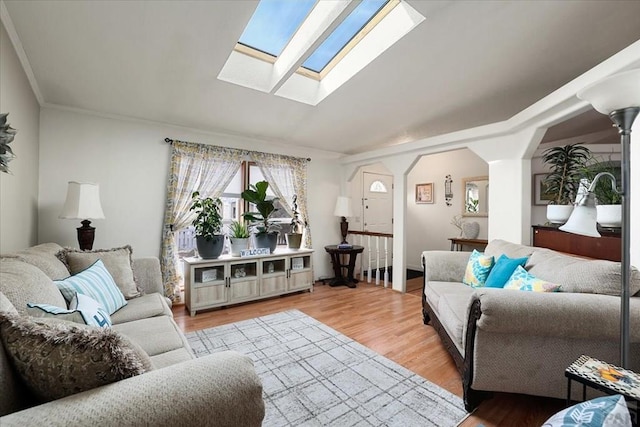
(335, 252)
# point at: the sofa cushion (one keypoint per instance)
(155, 335)
(478, 269)
(82, 309)
(172, 357)
(56, 359)
(502, 271)
(117, 261)
(498, 247)
(579, 275)
(522, 280)
(22, 283)
(145, 306)
(95, 282)
(608, 411)
(44, 257)
(452, 311)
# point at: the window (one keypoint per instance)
(377, 187)
(343, 34)
(273, 24)
(233, 207)
(287, 48)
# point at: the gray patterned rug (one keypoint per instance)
(315, 376)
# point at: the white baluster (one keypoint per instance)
(386, 263)
(377, 260)
(368, 259)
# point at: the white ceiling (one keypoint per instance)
(469, 63)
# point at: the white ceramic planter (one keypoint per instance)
(559, 214)
(609, 215)
(238, 244)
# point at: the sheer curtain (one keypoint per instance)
(194, 167)
(287, 176)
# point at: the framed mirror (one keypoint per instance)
(475, 191)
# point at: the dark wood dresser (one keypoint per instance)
(609, 246)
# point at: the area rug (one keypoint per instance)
(314, 376)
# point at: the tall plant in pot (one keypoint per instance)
(266, 229)
(608, 198)
(566, 165)
(294, 237)
(239, 237)
(208, 225)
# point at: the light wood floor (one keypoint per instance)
(389, 323)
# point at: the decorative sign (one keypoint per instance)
(254, 252)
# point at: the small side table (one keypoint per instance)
(607, 378)
(335, 254)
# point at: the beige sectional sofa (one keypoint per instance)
(521, 342)
(220, 389)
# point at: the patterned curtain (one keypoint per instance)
(287, 176)
(194, 167)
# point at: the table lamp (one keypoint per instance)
(619, 97)
(343, 209)
(83, 202)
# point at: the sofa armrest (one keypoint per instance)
(556, 314)
(444, 266)
(148, 275)
(221, 389)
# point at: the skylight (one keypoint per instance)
(273, 24)
(338, 39)
(304, 50)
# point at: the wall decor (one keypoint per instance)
(7, 134)
(448, 192)
(476, 196)
(424, 193)
(541, 195)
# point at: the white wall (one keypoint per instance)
(18, 192)
(429, 225)
(130, 160)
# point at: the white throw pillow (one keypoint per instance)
(609, 411)
(82, 309)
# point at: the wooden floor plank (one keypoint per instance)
(390, 323)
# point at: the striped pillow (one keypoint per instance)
(82, 309)
(95, 282)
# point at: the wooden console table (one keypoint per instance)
(608, 246)
(457, 243)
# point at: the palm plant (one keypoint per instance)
(566, 165)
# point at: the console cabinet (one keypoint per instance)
(608, 246)
(229, 280)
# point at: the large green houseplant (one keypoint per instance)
(566, 165)
(608, 198)
(208, 225)
(266, 229)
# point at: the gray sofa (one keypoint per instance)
(521, 342)
(221, 389)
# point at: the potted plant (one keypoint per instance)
(238, 236)
(266, 229)
(294, 237)
(566, 165)
(608, 198)
(208, 225)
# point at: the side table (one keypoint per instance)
(458, 242)
(335, 254)
(607, 378)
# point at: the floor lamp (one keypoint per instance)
(619, 97)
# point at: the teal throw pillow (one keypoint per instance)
(522, 280)
(608, 411)
(82, 309)
(502, 270)
(95, 282)
(478, 269)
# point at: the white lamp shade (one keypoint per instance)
(83, 201)
(614, 92)
(582, 221)
(343, 207)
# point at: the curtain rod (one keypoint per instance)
(170, 141)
